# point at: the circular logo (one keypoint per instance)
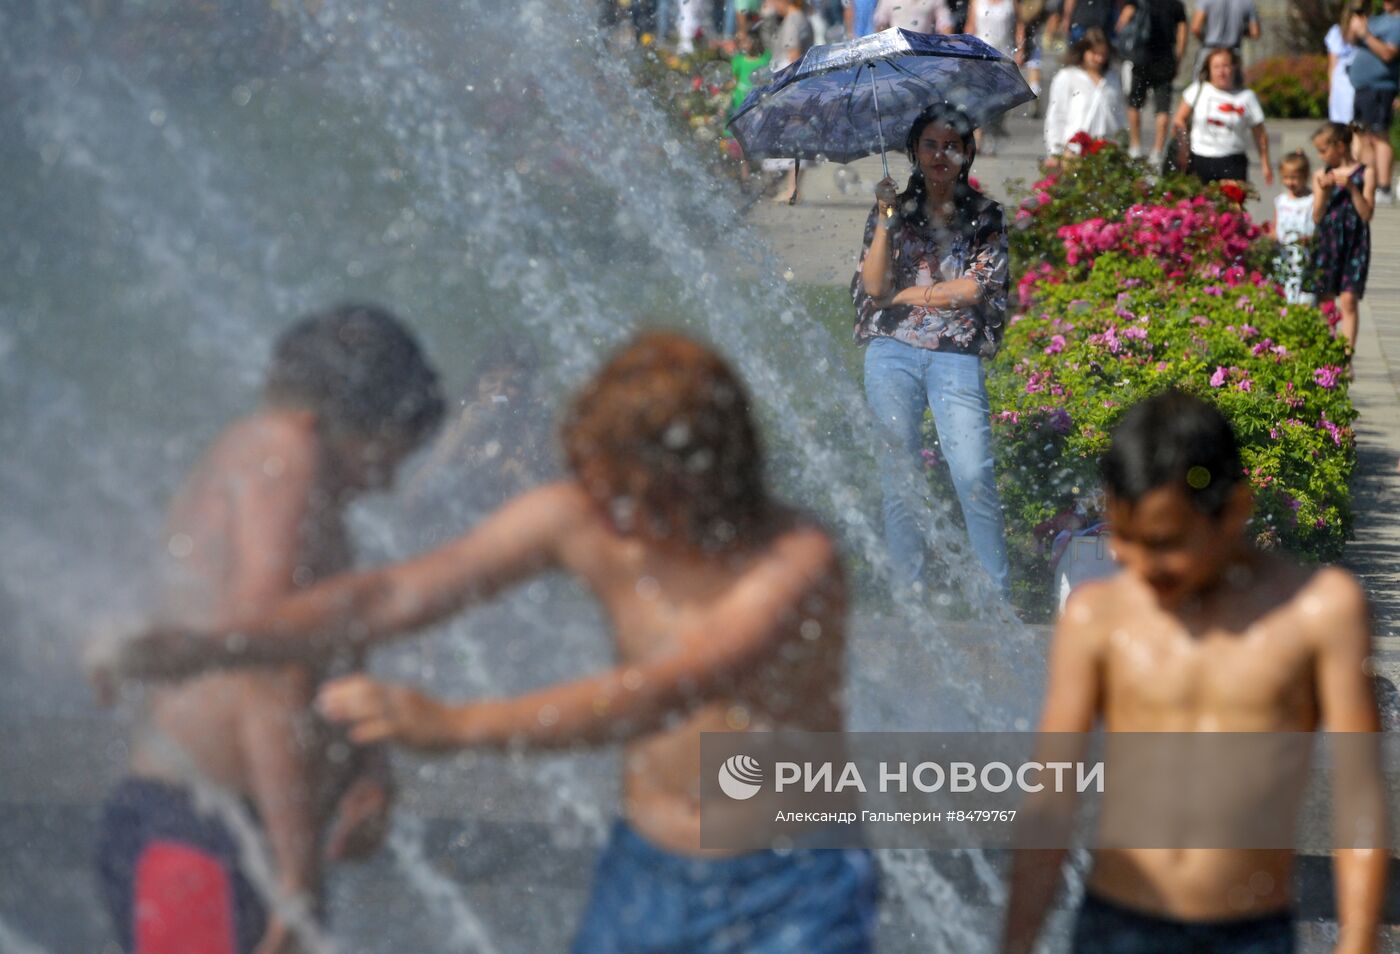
(740, 777)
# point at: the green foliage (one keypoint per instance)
(693, 90)
(1063, 378)
(1291, 87)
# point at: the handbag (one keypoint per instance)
(1178, 157)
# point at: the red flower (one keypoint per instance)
(1097, 146)
(1081, 139)
(1233, 192)
(696, 83)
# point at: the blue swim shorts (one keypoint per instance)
(806, 901)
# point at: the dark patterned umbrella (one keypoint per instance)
(847, 100)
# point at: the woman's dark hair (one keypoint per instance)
(754, 36)
(360, 370)
(1212, 53)
(1173, 439)
(911, 200)
(1092, 37)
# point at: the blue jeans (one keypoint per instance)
(900, 381)
(864, 19)
(647, 900)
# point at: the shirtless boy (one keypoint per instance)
(1200, 633)
(347, 397)
(728, 612)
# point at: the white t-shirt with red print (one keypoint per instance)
(1221, 121)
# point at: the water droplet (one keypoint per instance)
(241, 95)
(180, 546)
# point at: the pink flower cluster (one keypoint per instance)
(1224, 376)
(1176, 235)
(1339, 433)
(1025, 288)
(1327, 376)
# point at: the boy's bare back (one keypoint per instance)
(245, 530)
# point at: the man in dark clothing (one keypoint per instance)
(1155, 71)
(1081, 16)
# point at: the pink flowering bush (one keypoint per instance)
(1183, 237)
(1088, 347)
(1100, 202)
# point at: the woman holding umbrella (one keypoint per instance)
(930, 298)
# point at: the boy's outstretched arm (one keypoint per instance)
(1072, 703)
(356, 610)
(758, 612)
(1348, 703)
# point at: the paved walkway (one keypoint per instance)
(819, 238)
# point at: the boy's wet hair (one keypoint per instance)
(361, 370)
(1173, 439)
(663, 440)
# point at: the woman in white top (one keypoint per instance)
(1222, 119)
(994, 22)
(916, 16)
(1085, 96)
(1340, 94)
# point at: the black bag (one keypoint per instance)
(1131, 41)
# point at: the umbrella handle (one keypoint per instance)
(879, 126)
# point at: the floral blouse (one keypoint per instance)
(925, 256)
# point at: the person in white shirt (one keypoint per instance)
(694, 14)
(995, 23)
(1221, 119)
(1085, 96)
(916, 16)
(1341, 95)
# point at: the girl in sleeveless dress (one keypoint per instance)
(1344, 199)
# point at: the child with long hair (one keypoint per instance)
(1344, 199)
(1085, 96)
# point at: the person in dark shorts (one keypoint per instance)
(179, 866)
(1155, 72)
(347, 397)
(1107, 928)
(1200, 632)
(1375, 74)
